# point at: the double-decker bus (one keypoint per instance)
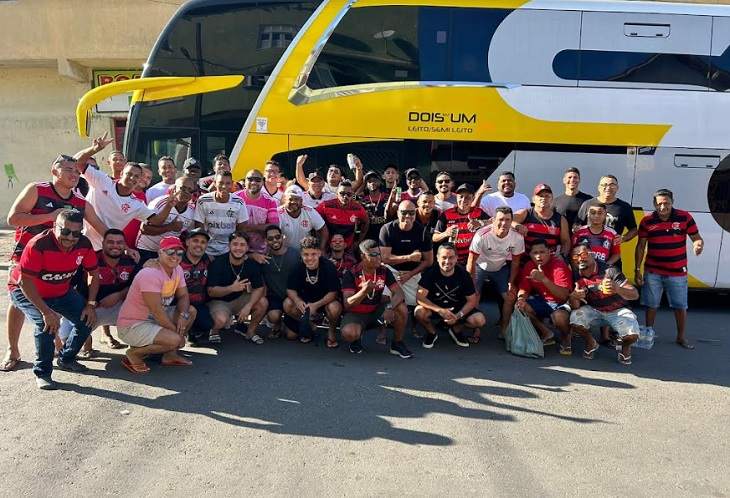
(475, 87)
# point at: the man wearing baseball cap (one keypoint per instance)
(298, 221)
(374, 202)
(459, 223)
(542, 222)
(151, 295)
(315, 194)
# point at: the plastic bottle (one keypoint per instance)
(351, 161)
(649, 340)
(398, 194)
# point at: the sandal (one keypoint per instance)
(274, 334)
(140, 368)
(381, 339)
(113, 343)
(332, 343)
(256, 339)
(214, 339)
(305, 340)
(475, 338)
(566, 350)
(624, 360)
(550, 341)
(9, 364)
(590, 354)
(87, 353)
(685, 344)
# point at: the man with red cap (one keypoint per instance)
(543, 223)
(151, 295)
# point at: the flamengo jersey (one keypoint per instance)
(196, 278)
(382, 278)
(220, 219)
(295, 229)
(666, 250)
(341, 220)
(50, 266)
(463, 241)
(594, 296)
(538, 228)
(114, 279)
(47, 202)
(603, 245)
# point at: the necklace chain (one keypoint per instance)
(236, 273)
(312, 279)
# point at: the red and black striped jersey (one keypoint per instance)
(594, 295)
(50, 266)
(382, 278)
(666, 250)
(114, 279)
(48, 201)
(342, 265)
(196, 278)
(603, 245)
(452, 217)
(341, 220)
(538, 228)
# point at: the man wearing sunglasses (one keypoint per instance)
(280, 262)
(40, 287)
(167, 170)
(148, 321)
(367, 304)
(180, 219)
(34, 211)
(262, 210)
(445, 199)
(342, 214)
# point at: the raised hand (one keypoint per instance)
(101, 142)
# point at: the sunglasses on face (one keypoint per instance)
(273, 237)
(606, 185)
(345, 194)
(408, 212)
(583, 256)
(174, 252)
(73, 233)
(442, 181)
(414, 179)
(257, 179)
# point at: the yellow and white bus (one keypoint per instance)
(635, 89)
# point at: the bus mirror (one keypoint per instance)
(88, 122)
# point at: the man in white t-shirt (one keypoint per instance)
(492, 248)
(220, 214)
(505, 196)
(315, 194)
(166, 169)
(298, 221)
(179, 220)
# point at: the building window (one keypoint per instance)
(276, 35)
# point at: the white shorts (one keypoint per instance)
(410, 288)
(141, 334)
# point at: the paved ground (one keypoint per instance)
(285, 419)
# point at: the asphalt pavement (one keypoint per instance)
(285, 419)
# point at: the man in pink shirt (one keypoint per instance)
(262, 210)
(151, 295)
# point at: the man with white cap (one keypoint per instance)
(315, 194)
(298, 221)
(147, 320)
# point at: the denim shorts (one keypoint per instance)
(675, 287)
(541, 306)
(498, 280)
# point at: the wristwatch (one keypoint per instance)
(185, 315)
(460, 315)
(92, 303)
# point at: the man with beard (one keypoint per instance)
(341, 214)
(601, 298)
(280, 263)
(445, 199)
(447, 289)
(35, 210)
(115, 277)
(568, 204)
(298, 221)
(195, 265)
(236, 287)
(262, 210)
(180, 219)
(312, 289)
(505, 196)
(315, 194)
(374, 203)
(220, 214)
(426, 214)
(366, 304)
(543, 223)
(167, 170)
(458, 224)
(148, 321)
(40, 288)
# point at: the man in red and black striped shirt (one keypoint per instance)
(40, 288)
(663, 236)
(341, 214)
(458, 224)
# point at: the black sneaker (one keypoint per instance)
(356, 347)
(458, 338)
(71, 366)
(400, 349)
(430, 340)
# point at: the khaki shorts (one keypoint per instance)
(141, 334)
(410, 289)
(365, 320)
(230, 307)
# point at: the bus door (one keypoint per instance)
(687, 173)
(718, 197)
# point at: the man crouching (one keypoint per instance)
(151, 294)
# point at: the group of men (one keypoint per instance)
(189, 260)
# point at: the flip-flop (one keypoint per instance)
(566, 350)
(305, 340)
(87, 353)
(332, 343)
(591, 354)
(139, 369)
(550, 341)
(10, 364)
(685, 344)
(113, 343)
(474, 339)
(256, 339)
(214, 339)
(382, 340)
(180, 362)
(274, 334)
(624, 360)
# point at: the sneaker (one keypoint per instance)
(243, 333)
(458, 338)
(46, 384)
(356, 347)
(71, 366)
(430, 340)
(400, 349)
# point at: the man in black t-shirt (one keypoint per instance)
(312, 289)
(569, 203)
(236, 286)
(447, 289)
